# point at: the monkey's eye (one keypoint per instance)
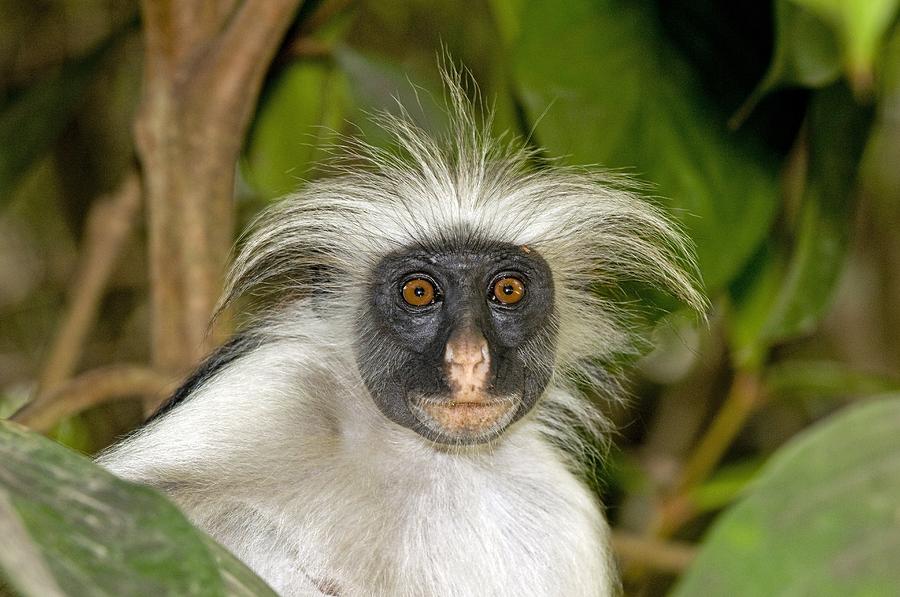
(419, 292)
(508, 290)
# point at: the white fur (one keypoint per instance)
(303, 478)
(283, 456)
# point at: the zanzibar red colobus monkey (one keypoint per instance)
(404, 414)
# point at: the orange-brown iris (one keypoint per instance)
(509, 290)
(418, 292)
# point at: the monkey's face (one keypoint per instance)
(457, 344)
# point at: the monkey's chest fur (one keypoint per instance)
(305, 481)
(434, 524)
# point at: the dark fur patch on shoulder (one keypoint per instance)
(236, 347)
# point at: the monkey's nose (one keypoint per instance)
(468, 364)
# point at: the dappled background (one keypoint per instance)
(771, 130)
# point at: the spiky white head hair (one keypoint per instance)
(467, 189)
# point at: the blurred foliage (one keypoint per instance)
(639, 106)
(769, 130)
(793, 290)
(36, 116)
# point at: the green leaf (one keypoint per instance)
(752, 295)
(724, 486)
(880, 174)
(601, 84)
(860, 26)
(820, 520)
(507, 19)
(815, 39)
(791, 294)
(34, 119)
(298, 121)
(71, 528)
(838, 131)
(806, 53)
(824, 379)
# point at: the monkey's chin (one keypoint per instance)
(465, 422)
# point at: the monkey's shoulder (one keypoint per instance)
(239, 345)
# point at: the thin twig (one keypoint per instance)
(655, 554)
(108, 227)
(744, 398)
(306, 47)
(302, 44)
(95, 387)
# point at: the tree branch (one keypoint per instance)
(108, 227)
(744, 398)
(195, 112)
(91, 389)
(174, 29)
(665, 556)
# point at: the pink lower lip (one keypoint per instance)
(469, 416)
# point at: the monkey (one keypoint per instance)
(404, 413)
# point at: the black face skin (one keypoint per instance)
(401, 348)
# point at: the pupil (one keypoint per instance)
(508, 289)
(419, 291)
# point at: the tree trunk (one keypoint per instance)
(205, 61)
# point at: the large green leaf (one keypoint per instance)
(822, 518)
(71, 528)
(816, 380)
(601, 84)
(815, 39)
(790, 294)
(507, 16)
(806, 51)
(860, 26)
(299, 119)
(838, 130)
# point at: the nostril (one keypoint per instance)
(481, 358)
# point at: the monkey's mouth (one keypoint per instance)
(469, 421)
